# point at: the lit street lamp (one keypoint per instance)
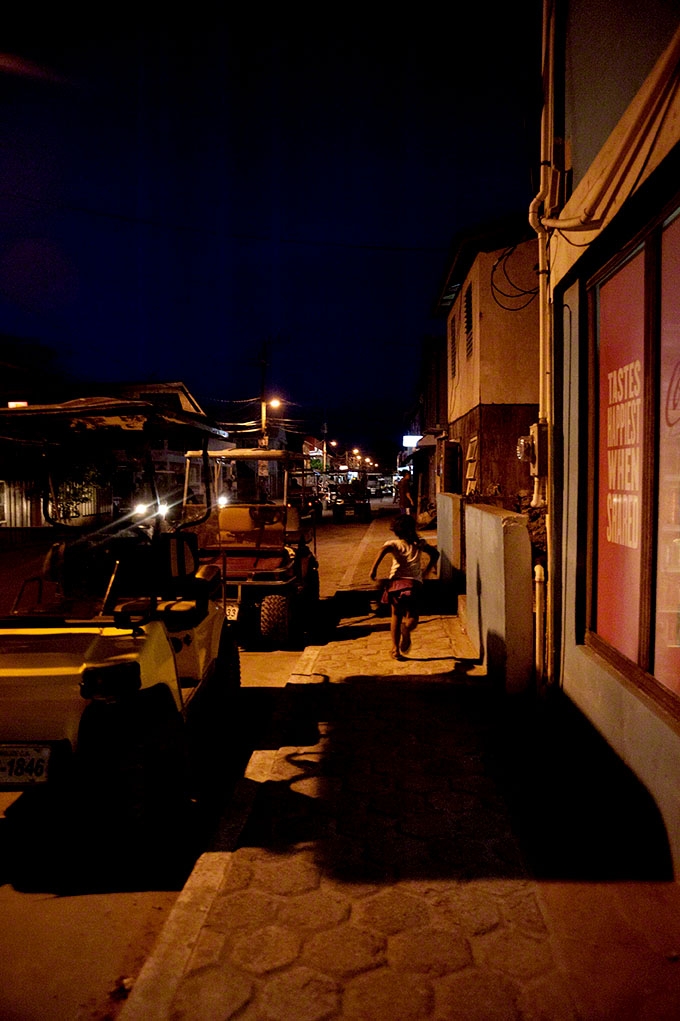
(273, 403)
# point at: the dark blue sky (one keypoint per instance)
(175, 196)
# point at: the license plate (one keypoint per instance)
(24, 765)
(350, 512)
(231, 611)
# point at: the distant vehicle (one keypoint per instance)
(117, 650)
(378, 486)
(305, 490)
(352, 500)
(261, 532)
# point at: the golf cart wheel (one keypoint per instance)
(276, 619)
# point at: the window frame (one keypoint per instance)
(639, 674)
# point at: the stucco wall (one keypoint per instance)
(450, 535)
(508, 328)
(503, 365)
(499, 593)
(638, 730)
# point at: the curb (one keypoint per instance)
(162, 973)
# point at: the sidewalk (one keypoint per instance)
(419, 847)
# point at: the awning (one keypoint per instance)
(426, 441)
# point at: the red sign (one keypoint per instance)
(621, 374)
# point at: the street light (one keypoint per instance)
(273, 403)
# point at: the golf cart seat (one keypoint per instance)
(182, 588)
(259, 524)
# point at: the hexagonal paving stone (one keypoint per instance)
(242, 909)
(263, 950)
(238, 875)
(387, 994)
(209, 950)
(300, 994)
(465, 906)
(392, 912)
(316, 909)
(346, 950)
(215, 995)
(429, 951)
(290, 873)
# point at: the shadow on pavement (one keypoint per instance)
(60, 843)
(433, 777)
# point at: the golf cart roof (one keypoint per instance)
(52, 422)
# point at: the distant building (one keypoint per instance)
(22, 464)
(489, 298)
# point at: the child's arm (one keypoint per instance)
(377, 561)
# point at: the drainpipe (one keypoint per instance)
(542, 495)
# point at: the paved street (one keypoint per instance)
(408, 843)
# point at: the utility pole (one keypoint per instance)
(264, 362)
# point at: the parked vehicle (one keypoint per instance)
(117, 650)
(352, 500)
(305, 491)
(257, 525)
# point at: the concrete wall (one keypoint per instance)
(499, 593)
(503, 366)
(450, 526)
(508, 329)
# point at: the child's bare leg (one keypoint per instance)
(395, 631)
(408, 624)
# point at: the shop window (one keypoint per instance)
(621, 368)
(634, 615)
(667, 589)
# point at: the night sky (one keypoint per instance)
(180, 198)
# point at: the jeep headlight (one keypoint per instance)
(111, 680)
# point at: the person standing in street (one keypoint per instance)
(404, 495)
(405, 583)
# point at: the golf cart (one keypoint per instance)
(305, 491)
(256, 524)
(352, 499)
(116, 649)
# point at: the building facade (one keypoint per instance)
(491, 307)
(607, 218)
